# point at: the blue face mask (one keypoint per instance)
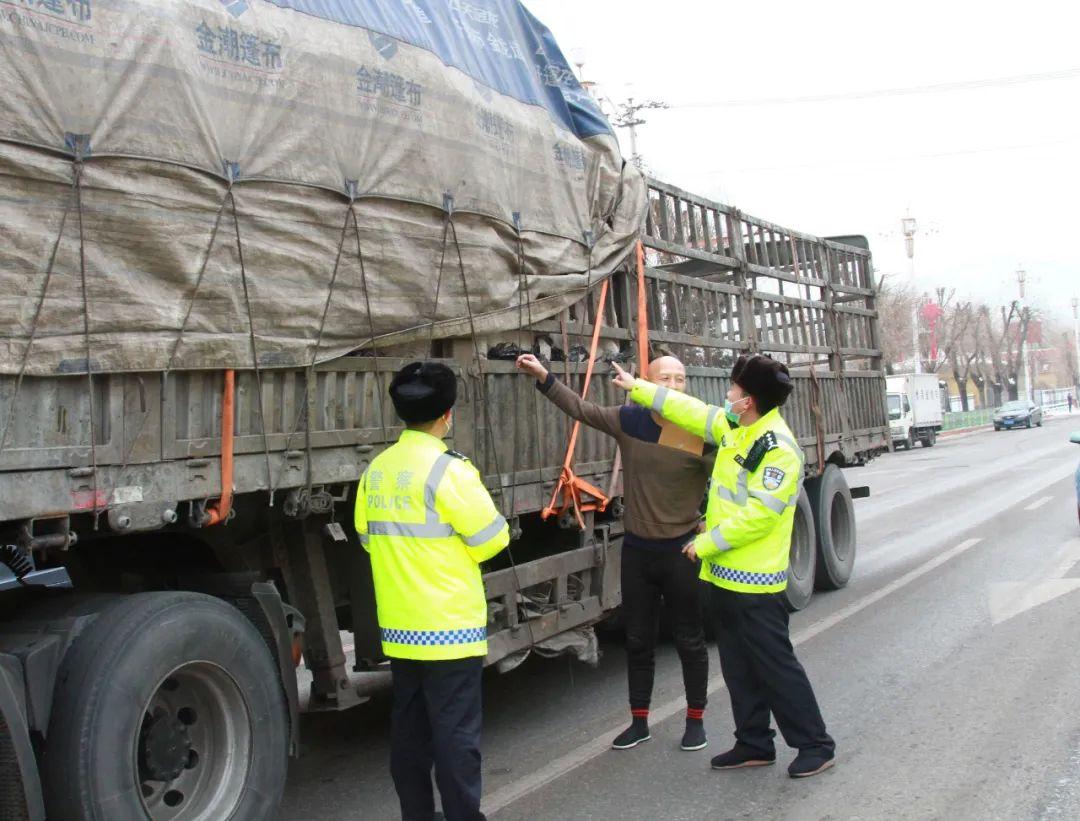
(729, 411)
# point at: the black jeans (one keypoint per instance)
(436, 720)
(646, 577)
(762, 673)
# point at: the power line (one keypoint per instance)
(867, 161)
(937, 88)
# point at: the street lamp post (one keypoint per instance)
(1025, 351)
(909, 228)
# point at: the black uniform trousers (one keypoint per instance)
(436, 720)
(762, 673)
(648, 576)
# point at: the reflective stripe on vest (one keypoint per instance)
(420, 530)
(718, 539)
(429, 638)
(739, 496)
(747, 577)
(431, 527)
(774, 503)
(658, 400)
(485, 533)
(709, 420)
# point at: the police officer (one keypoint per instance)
(744, 551)
(427, 520)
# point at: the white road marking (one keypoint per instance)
(1010, 599)
(1038, 503)
(509, 793)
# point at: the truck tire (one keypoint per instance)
(802, 564)
(834, 514)
(168, 706)
(930, 438)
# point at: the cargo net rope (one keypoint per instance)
(226, 229)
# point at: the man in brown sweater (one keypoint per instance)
(664, 475)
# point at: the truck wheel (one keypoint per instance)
(834, 513)
(929, 440)
(168, 706)
(801, 569)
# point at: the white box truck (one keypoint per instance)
(915, 409)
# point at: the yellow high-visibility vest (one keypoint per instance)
(426, 519)
(747, 541)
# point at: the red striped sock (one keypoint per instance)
(693, 714)
(640, 713)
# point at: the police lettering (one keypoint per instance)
(389, 502)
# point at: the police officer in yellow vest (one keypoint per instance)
(744, 554)
(427, 520)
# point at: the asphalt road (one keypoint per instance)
(948, 671)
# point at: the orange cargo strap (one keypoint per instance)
(642, 351)
(642, 313)
(571, 486)
(219, 511)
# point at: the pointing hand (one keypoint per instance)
(622, 379)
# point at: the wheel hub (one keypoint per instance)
(164, 748)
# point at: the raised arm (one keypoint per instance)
(603, 418)
(692, 415)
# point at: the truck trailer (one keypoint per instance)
(211, 275)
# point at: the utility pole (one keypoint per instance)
(1076, 342)
(628, 117)
(909, 228)
(1021, 278)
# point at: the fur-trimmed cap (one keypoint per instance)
(765, 379)
(423, 391)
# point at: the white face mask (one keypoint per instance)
(729, 409)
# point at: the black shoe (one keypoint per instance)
(811, 762)
(633, 735)
(738, 757)
(694, 736)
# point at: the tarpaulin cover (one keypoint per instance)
(184, 182)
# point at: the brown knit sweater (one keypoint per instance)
(664, 469)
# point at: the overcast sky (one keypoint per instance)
(990, 170)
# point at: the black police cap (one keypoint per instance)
(765, 379)
(423, 391)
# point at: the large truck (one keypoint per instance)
(184, 424)
(915, 409)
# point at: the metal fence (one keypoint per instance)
(967, 419)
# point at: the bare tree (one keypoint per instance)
(1071, 365)
(940, 334)
(894, 301)
(962, 345)
(1005, 348)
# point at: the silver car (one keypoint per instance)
(1018, 414)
